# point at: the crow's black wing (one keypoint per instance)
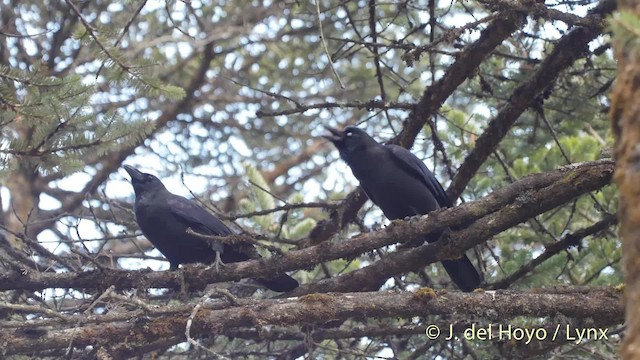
(461, 270)
(199, 219)
(410, 163)
(202, 221)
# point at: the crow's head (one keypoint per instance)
(143, 182)
(349, 140)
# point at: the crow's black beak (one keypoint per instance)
(335, 136)
(134, 173)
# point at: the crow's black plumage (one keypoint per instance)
(164, 218)
(401, 185)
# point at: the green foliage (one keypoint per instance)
(294, 227)
(549, 156)
(302, 229)
(51, 127)
(136, 73)
(625, 26)
(260, 188)
(49, 123)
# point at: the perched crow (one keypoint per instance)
(401, 185)
(164, 218)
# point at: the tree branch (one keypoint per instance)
(570, 48)
(466, 64)
(498, 211)
(128, 338)
(567, 241)
(525, 204)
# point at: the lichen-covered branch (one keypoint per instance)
(129, 338)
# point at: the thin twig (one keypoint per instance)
(194, 312)
(324, 45)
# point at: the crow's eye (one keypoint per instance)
(348, 134)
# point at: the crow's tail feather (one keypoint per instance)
(463, 273)
(280, 283)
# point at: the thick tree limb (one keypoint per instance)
(127, 338)
(539, 9)
(526, 204)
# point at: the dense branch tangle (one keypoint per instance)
(113, 309)
(569, 49)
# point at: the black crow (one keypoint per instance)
(164, 218)
(402, 186)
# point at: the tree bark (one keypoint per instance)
(164, 326)
(625, 118)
